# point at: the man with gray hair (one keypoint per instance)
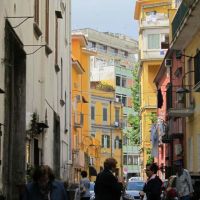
(183, 181)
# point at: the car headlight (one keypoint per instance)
(128, 196)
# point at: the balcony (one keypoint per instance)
(153, 21)
(153, 54)
(150, 101)
(185, 24)
(178, 104)
(181, 110)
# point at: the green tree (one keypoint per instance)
(150, 158)
(134, 119)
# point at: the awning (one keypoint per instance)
(92, 171)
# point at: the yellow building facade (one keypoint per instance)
(186, 39)
(152, 16)
(84, 147)
(106, 125)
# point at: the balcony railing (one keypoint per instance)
(180, 16)
(178, 107)
(150, 101)
(154, 22)
(150, 54)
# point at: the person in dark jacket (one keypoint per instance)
(153, 186)
(107, 186)
(44, 186)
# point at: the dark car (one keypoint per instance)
(132, 189)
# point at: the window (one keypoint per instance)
(125, 159)
(135, 160)
(114, 51)
(103, 47)
(47, 22)
(124, 81)
(197, 67)
(151, 13)
(118, 80)
(56, 40)
(126, 54)
(117, 114)
(118, 98)
(153, 41)
(130, 159)
(92, 113)
(124, 100)
(93, 44)
(36, 11)
(125, 121)
(117, 141)
(125, 140)
(105, 141)
(164, 41)
(104, 114)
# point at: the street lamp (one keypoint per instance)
(182, 90)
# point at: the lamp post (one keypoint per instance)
(182, 90)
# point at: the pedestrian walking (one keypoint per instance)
(44, 186)
(183, 182)
(84, 186)
(107, 185)
(153, 186)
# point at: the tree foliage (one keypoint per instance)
(134, 119)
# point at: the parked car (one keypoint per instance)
(135, 178)
(92, 194)
(132, 190)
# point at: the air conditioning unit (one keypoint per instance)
(116, 124)
(117, 99)
(168, 62)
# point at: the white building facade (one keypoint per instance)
(35, 71)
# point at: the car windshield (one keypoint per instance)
(135, 185)
(91, 186)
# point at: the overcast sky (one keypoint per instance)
(105, 15)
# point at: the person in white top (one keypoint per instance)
(183, 182)
(84, 186)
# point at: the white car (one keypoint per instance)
(92, 194)
(132, 190)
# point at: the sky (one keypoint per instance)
(116, 16)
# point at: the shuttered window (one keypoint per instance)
(36, 11)
(47, 22)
